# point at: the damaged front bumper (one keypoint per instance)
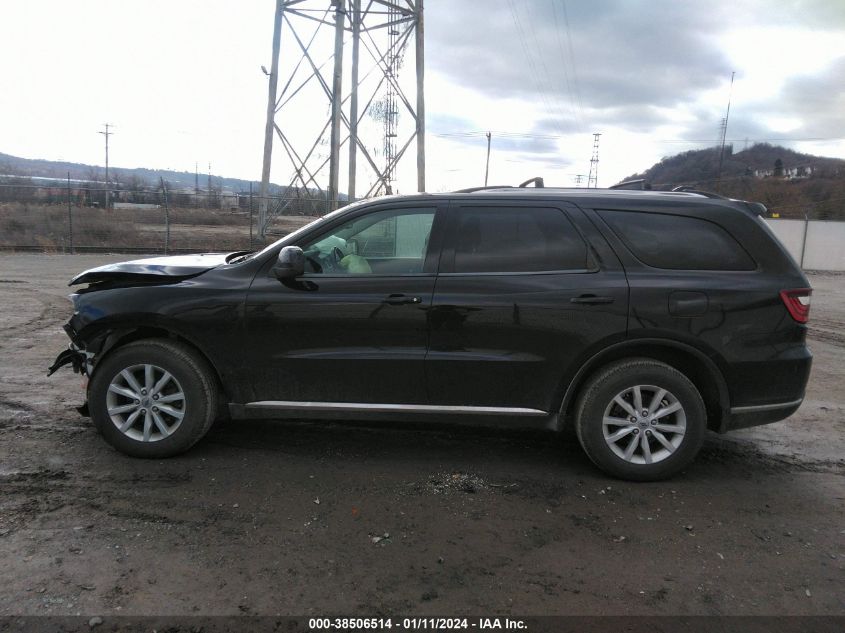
(81, 362)
(71, 356)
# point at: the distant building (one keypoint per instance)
(789, 173)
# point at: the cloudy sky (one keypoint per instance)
(181, 82)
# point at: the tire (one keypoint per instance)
(660, 445)
(153, 398)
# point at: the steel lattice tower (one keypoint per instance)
(593, 178)
(391, 113)
(377, 34)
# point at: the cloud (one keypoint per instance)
(445, 123)
(813, 104)
(528, 145)
(623, 53)
(629, 65)
(817, 100)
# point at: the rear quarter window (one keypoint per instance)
(678, 242)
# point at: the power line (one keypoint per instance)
(532, 67)
(572, 58)
(679, 141)
(550, 83)
(563, 58)
(473, 133)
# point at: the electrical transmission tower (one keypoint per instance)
(308, 73)
(391, 113)
(593, 178)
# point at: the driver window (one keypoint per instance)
(392, 242)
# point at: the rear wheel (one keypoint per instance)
(153, 398)
(640, 419)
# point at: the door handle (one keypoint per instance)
(591, 300)
(400, 299)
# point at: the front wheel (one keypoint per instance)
(640, 419)
(153, 398)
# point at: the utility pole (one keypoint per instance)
(487, 167)
(166, 218)
(270, 125)
(107, 134)
(69, 216)
(579, 178)
(593, 178)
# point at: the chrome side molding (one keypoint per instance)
(767, 407)
(363, 407)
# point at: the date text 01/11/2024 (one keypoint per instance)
(416, 624)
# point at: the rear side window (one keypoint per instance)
(517, 239)
(678, 242)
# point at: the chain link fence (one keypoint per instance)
(76, 217)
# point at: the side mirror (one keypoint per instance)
(291, 263)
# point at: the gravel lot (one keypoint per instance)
(304, 518)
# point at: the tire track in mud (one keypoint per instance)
(828, 331)
(732, 453)
(52, 313)
(14, 413)
(16, 406)
(25, 355)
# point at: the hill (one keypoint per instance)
(39, 168)
(701, 166)
(790, 183)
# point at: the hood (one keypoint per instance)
(153, 269)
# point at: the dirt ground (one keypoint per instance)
(306, 518)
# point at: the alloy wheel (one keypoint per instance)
(644, 424)
(146, 403)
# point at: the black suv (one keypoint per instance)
(641, 318)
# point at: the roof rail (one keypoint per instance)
(633, 185)
(537, 181)
(474, 189)
(706, 194)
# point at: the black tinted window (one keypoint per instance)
(678, 242)
(517, 240)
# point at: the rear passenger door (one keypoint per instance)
(524, 295)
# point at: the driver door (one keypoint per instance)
(354, 328)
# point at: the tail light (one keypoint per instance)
(797, 301)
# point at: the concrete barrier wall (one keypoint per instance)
(824, 245)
